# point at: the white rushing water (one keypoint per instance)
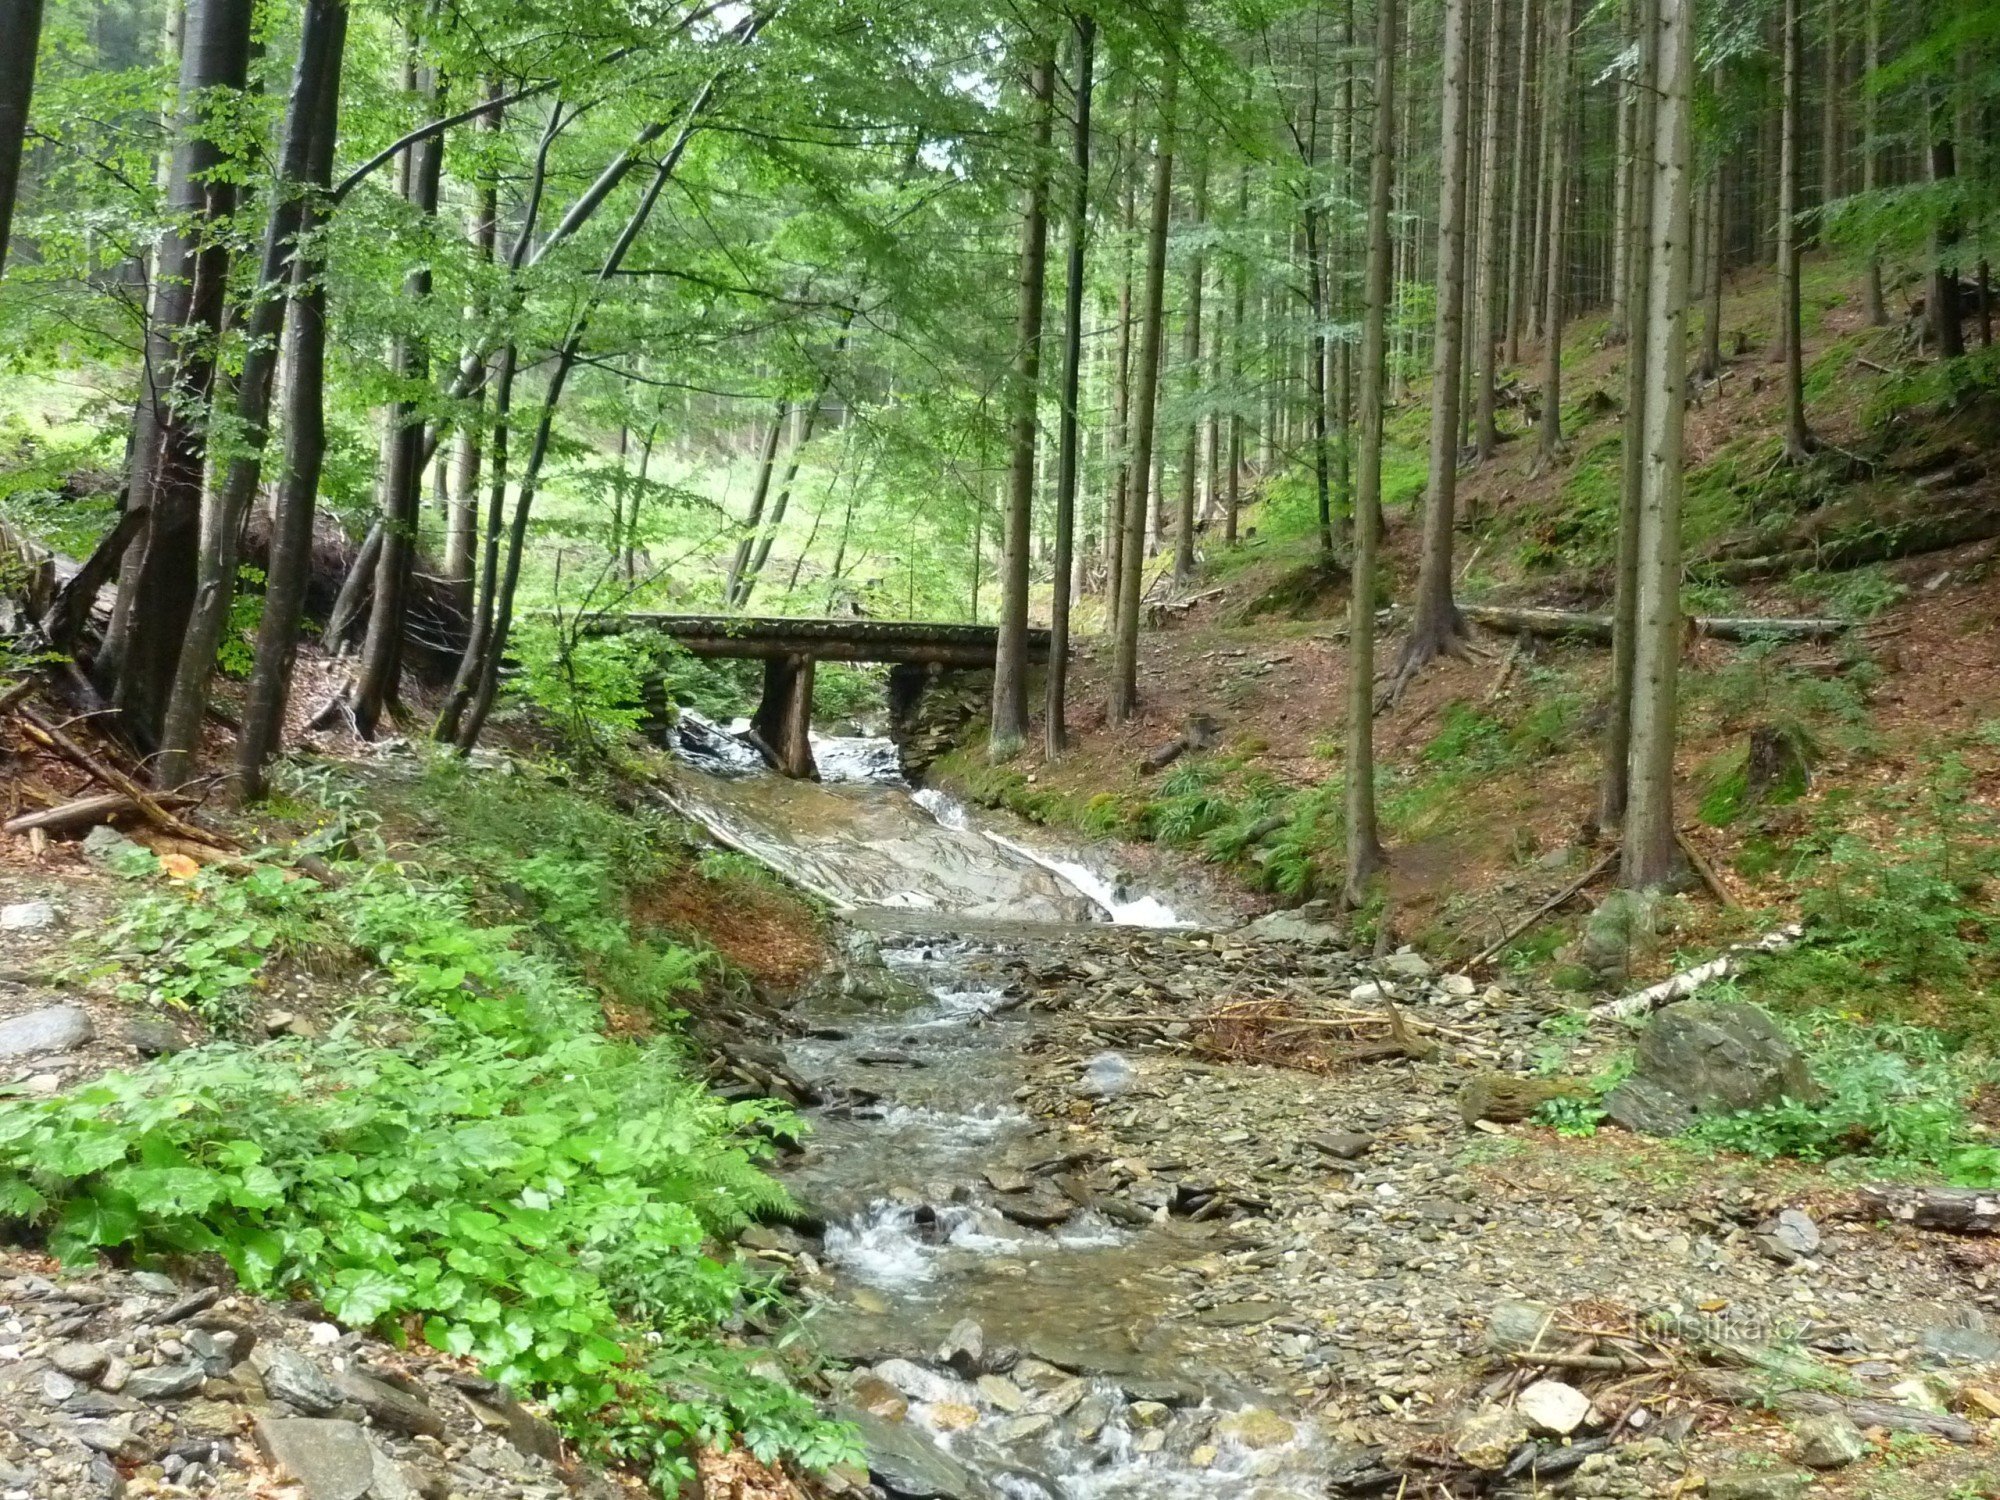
(1102, 891)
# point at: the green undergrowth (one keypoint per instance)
(1281, 837)
(465, 1157)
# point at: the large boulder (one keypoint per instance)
(1715, 1057)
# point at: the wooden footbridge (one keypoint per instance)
(916, 651)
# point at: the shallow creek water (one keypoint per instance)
(1087, 1387)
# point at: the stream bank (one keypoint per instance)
(1072, 1247)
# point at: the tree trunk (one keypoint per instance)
(1711, 336)
(1364, 844)
(1054, 709)
(1871, 146)
(1125, 664)
(1191, 380)
(461, 533)
(1829, 108)
(1798, 441)
(1623, 236)
(760, 494)
(495, 648)
(465, 680)
(1437, 626)
(1486, 314)
(1642, 89)
(170, 432)
(290, 564)
(377, 679)
(1121, 401)
(1520, 199)
(308, 116)
(1549, 434)
(1232, 478)
(1650, 853)
(1946, 317)
(20, 37)
(1010, 665)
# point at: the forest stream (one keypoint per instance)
(1008, 1342)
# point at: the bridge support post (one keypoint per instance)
(782, 725)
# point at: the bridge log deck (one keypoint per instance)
(768, 638)
(781, 728)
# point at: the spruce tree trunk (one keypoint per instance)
(1437, 625)
(1055, 730)
(1521, 200)
(20, 36)
(1711, 339)
(308, 116)
(1364, 844)
(169, 447)
(1549, 433)
(1830, 178)
(1146, 385)
(1941, 300)
(1622, 235)
(1650, 853)
(1486, 315)
(377, 680)
(1191, 379)
(1798, 440)
(289, 568)
(1871, 147)
(1010, 666)
(1642, 89)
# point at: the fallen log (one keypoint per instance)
(1528, 620)
(85, 812)
(1760, 1391)
(1841, 554)
(117, 781)
(1541, 911)
(1689, 980)
(1952, 1210)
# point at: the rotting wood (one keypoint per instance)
(1951, 1210)
(1704, 869)
(84, 812)
(118, 781)
(1688, 981)
(1618, 1364)
(1842, 554)
(1542, 911)
(1528, 620)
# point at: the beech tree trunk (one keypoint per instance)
(1437, 626)
(1364, 843)
(1232, 481)
(309, 116)
(1117, 496)
(1146, 386)
(1054, 730)
(1650, 852)
(290, 564)
(169, 448)
(461, 532)
(1010, 666)
(376, 680)
(20, 37)
(1798, 440)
